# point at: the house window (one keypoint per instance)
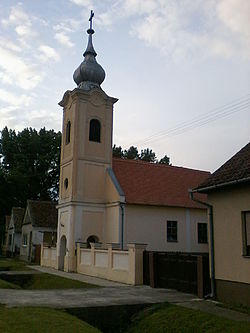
(202, 233)
(68, 127)
(172, 231)
(95, 130)
(246, 233)
(25, 239)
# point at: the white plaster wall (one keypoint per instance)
(148, 224)
(112, 224)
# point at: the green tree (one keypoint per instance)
(118, 152)
(132, 153)
(148, 155)
(29, 166)
(165, 160)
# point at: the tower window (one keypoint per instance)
(66, 183)
(95, 130)
(68, 126)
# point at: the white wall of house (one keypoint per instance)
(36, 238)
(148, 224)
(13, 238)
(228, 205)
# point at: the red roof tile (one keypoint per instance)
(157, 184)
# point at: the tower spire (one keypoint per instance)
(89, 74)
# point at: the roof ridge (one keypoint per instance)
(41, 201)
(161, 165)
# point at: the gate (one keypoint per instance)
(185, 272)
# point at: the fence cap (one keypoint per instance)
(141, 246)
(96, 245)
(116, 246)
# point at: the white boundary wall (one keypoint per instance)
(116, 265)
(48, 256)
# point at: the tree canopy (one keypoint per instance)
(29, 166)
(146, 155)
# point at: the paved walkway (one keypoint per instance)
(113, 294)
(79, 277)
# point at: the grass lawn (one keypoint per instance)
(41, 320)
(7, 285)
(171, 318)
(236, 307)
(40, 281)
(11, 264)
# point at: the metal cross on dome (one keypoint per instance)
(91, 18)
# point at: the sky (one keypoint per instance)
(180, 69)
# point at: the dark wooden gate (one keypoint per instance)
(181, 271)
(37, 258)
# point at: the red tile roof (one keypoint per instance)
(157, 184)
(237, 169)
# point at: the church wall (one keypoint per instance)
(66, 172)
(111, 194)
(68, 115)
(148, 224)
(112, 224)
(92, 223)
(91, 182)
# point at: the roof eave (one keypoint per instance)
(218, 186)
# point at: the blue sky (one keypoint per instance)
(180, 69)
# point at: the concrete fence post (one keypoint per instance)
(200, 276)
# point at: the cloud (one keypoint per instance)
(48, 53)
(63, 39)
(15, 71)
(25, 31)
(21, 21)
(183, 29)
(15, 100)
(64, 29)
(82, 3)
(7, 43)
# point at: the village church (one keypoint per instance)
(117, 201)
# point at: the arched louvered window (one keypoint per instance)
(68, 127)
(95, 130)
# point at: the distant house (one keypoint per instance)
(15, 231)
(39, 225)
(228, 190)
(4, 244)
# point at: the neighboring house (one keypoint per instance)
(39, 225)
(228, 190)
(15, 231)
(5, 236)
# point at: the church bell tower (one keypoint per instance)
(86, 154)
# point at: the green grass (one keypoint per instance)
(10, 264)
(236, 307)
(7, 285)
(171, 318)
(41, 320)
(41, 281)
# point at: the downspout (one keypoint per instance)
(122, 226)
(211, 239)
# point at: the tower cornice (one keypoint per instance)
(85, 95)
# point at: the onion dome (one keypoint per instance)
(89, 74)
